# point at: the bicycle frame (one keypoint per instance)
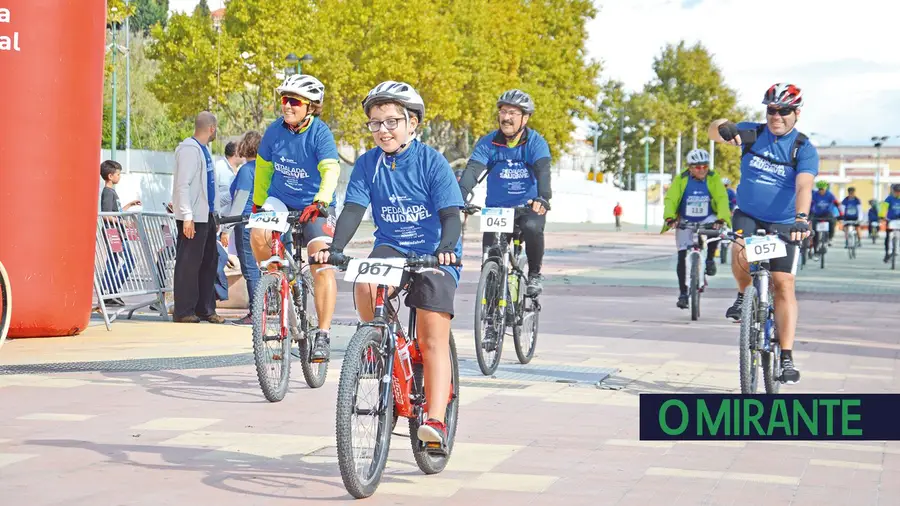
(409, 398)
(507, 259)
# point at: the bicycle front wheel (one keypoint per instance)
(748, 352)
(490, 322)
(271, 341)
(5, 304)
(365, 407)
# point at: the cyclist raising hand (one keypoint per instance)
(415, 206)
(297, 170)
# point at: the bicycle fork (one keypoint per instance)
(765, 315)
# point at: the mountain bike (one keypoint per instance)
(501, 298)
(698, 279)
(851, 239)
(821, 240)
(279, 314)
(893, 238)
(385, 362)
(758, 345)
(5, 304)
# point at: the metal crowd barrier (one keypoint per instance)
(134, 256)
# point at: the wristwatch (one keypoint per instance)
(802, 216)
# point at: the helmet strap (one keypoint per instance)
(410, 138)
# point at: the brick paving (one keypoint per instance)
(207, 436)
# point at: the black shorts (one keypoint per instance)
(746, 224)
(429, 291)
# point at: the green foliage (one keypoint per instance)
(688, 88)
(460, 55)
(148, 14)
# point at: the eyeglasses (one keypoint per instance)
(786, 111)
(702, 166)
(390, 123)
(509, 112)
(294, 101)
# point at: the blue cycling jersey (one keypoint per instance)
(511, 181)
(768, 188)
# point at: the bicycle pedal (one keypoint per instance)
(436, 448)
(318, 360)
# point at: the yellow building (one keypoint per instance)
(846, 166)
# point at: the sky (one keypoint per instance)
(842, 54)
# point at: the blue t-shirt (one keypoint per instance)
(244, 181)
(768, 191)
(511, 180)
(406, 199)
(851, 207)
(210, 177)
(893, 211)
(695, 203)
(732, 199)
(873, 214)
(822, 204)
(295, 158)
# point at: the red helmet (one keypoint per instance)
(784, 95)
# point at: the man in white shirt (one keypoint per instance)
(226, 169)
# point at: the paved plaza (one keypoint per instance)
(154, 413)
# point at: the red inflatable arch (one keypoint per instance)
(51, 98)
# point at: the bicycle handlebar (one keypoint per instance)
(293, 217)
(413, 261)
(471, 209)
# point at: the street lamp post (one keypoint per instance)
(646, 140)
(294, 61)
(878, 142)
(695, 103)
(115, 51)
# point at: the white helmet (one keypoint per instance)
(393, 91)
(698, 157)
(305, 86)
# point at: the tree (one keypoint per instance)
(202, 10)
(149, 13)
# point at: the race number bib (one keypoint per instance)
(497, 219)
(764, 248)
(380, 271)
(894, 225)
(269, 220)
(698, 209)
(822, 226)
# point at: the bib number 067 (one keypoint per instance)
(380, 271)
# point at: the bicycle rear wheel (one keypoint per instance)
(490, 319)
(313, 373)
(695, 287)
(363, 368)
(271, 342)
(525, 336)
(428, 462)
(5, 304)
(748, 352)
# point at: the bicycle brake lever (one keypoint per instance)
(430, 269)
(327, 267)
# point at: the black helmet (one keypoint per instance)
(851, 189)
(517, 98)
(895, 187)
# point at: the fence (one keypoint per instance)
(134, 255)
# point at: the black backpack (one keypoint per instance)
(798, 143)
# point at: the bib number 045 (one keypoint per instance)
(764, 248)
(497, 219)
(379, 271)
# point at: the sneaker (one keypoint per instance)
(489, 341)
(887, 258)
(247, 320)
(682, 301)
(734, 312)
(710, 267)
(115, 302)
(432, 431)
(789, 373)
(534, 285)
(321, 348)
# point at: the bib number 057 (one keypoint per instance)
(764, 248)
